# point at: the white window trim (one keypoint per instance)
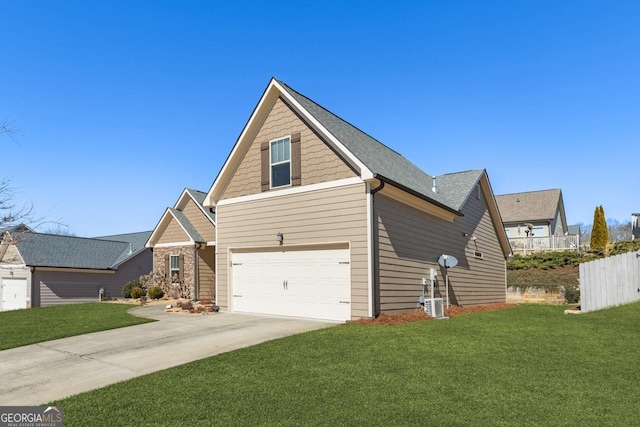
(287, 137)
(171, 269)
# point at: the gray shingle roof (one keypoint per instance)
(379, 158)
(48, 250)
(186, 225)
(529, 206)
(455, 187)
(136, 243)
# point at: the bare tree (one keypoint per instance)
(619, 231)
(10, 213)
(585, 232)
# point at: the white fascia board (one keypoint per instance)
(153, 237)
(292, 190)
(184, 193)
(365, 173)
(269, 96)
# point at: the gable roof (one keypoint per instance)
(50, 250)
(183, 221)
(371, 158)
(456, 187)
(530, 206)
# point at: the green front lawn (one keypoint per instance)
(34, 325)
(531, 365)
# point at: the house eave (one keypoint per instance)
(441, 210)
(73, 269)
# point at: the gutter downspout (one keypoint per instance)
(196, 285)
(374, 254)
(33, 275)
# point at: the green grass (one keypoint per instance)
(34, 325)
(531, 365)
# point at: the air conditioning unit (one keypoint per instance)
(434, 307)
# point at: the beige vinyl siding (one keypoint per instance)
(200, 221)
(65, 287)
(333, 215)
(173, 233)
(319, 162)
(411, 241)
(206, 273)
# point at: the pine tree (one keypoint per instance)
(599, 232)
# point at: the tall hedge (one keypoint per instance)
(599, 231)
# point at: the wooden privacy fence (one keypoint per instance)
(609, 282)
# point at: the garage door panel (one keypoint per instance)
(312, 283)
(14, 294)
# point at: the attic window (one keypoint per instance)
(280, 162)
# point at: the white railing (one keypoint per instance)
(525, 245)
(611, 281)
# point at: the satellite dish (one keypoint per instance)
(447, 261)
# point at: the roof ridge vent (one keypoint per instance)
(435, 186)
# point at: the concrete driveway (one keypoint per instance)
(39, 373)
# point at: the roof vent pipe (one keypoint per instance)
(435, 187)
(130, 248)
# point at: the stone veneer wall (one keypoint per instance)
(159, 255)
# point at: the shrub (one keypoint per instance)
(137, 292)
(185, 305)
(156, 292)
(599, 231)
(126, 289)
(572, 294)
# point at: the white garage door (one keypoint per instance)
(301, 283)
(14, 294)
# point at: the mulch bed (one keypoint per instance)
(419, 315)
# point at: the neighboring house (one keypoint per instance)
(317, 219)
(15, 228)
(183, 245)
(575, 230)
(635, 226)
(45, 269)
(536, 220)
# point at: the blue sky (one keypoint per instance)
(120, 105)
